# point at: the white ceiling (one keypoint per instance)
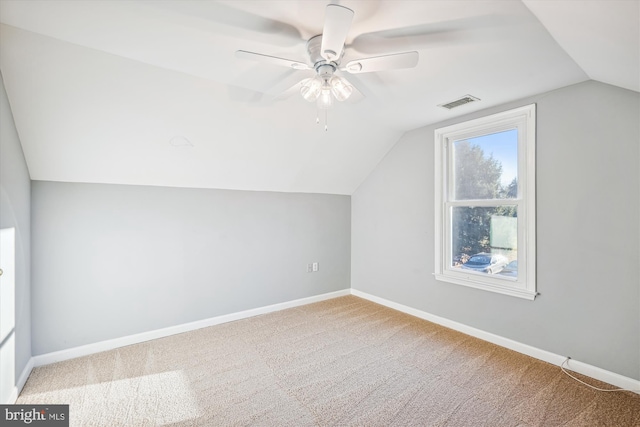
(101, 89)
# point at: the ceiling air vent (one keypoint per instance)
(458, 102)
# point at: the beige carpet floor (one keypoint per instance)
(341, 362)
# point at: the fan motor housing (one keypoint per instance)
(314, 49)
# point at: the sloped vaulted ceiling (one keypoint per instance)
(150, 92)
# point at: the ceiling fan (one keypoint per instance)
(325, 52)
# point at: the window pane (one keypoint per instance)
(485, 239)
(486, 167)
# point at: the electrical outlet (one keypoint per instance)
(315, 266)
(309, 268)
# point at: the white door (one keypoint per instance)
(7, 314)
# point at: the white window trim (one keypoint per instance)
(523, 119)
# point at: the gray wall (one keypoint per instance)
(588, 189)
(15, 211)
(114, 260)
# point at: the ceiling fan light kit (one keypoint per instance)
(325, 54)
(325, 83)
(321, 88)
(340, 88)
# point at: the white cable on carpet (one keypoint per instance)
(589, 385)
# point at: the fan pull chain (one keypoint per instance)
(326, 128)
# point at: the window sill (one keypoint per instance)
(491, 287)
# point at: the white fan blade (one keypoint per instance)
(296, 65)
(230, 20)
(380, 63)
(337, 20)
(473, 29)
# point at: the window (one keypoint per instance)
(485, 203)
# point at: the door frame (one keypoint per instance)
(8, 390)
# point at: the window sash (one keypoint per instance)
(450, 158)
(520, 281)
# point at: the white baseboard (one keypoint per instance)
(72, 353)
(12, 397)
(21, 382)
(555, 359)
(24, 376)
